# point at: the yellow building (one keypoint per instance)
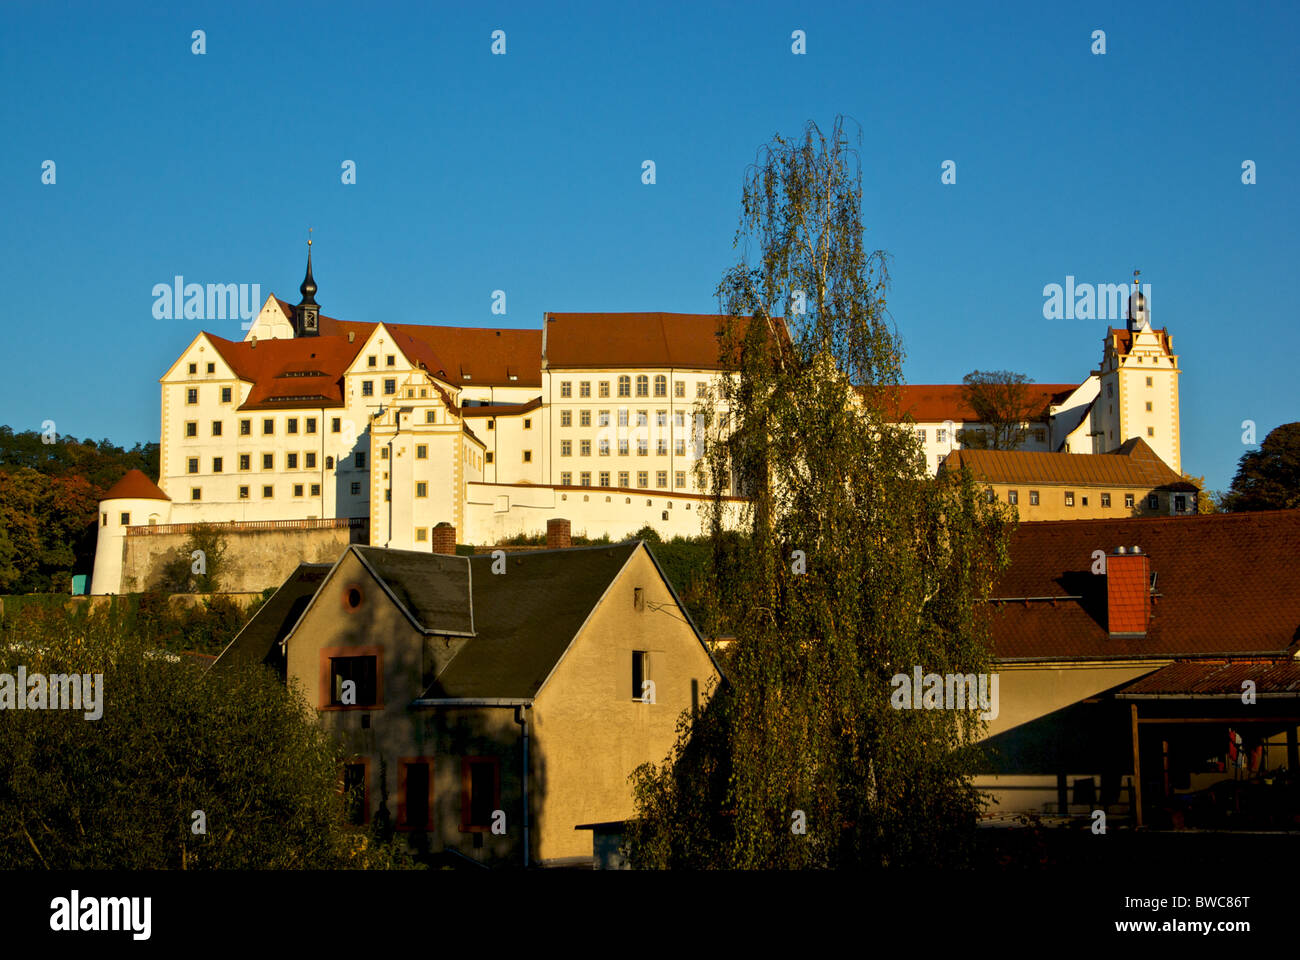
(1129, 482)
(498, 702)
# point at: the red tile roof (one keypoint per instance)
(461, 356)
(1226, 585)
(1134, 465)
(275, 368)
(1122, 339)
(938, 402)
(134, 485)
(635, 340)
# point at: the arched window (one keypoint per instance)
(643, 386)
(625, 386)
(329, 463)
(661, 386)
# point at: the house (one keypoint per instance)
(1144, 662)
(1130, 481)
(490, 704)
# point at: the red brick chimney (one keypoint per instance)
(444, 538)
(557, 534)
(1128, 596)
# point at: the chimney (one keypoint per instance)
(1128, 597)
(557, 534)
(444, 539)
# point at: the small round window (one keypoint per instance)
(352, 597)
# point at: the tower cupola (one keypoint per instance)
(307, 313)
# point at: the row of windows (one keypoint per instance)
(642, 418)
(941, 434)
(624, 446)
(642, 479)
(268, 491)
(291, 425)
(368, 387)
(291, 461)
(1013, 498)
(642, 387)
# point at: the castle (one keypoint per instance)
(411, 433)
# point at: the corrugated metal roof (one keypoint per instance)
(1218, 678)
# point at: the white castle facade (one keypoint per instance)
(595, 418)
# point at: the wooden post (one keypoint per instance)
(1137, 769)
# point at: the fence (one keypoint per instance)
(238, 526)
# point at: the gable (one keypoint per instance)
(526, 618)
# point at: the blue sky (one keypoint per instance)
(523, 173)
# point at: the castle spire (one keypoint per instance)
(1139, 317)
(307, 313)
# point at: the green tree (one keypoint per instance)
(1268, 478)
(198, 565)
(1207, 501)
(122, 791)
(1002, 400)
(48, 497)
(854, 565)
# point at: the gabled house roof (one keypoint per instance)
(1225, 585)
(527, 618)
(519, 624)
(432, 589)
(1134, 465)
(461, 356)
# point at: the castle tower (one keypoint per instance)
(1139, 385)
(135, 500)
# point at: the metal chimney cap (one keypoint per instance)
(1121, 551)
(1137, 549)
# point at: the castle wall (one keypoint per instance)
(256, 559)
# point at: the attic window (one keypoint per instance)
(352, 597)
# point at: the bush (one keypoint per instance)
(124, 791)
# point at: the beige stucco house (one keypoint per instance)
(491, 704)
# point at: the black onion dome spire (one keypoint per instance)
(308, 288)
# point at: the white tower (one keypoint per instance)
(135, 500)
(1139, 385)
